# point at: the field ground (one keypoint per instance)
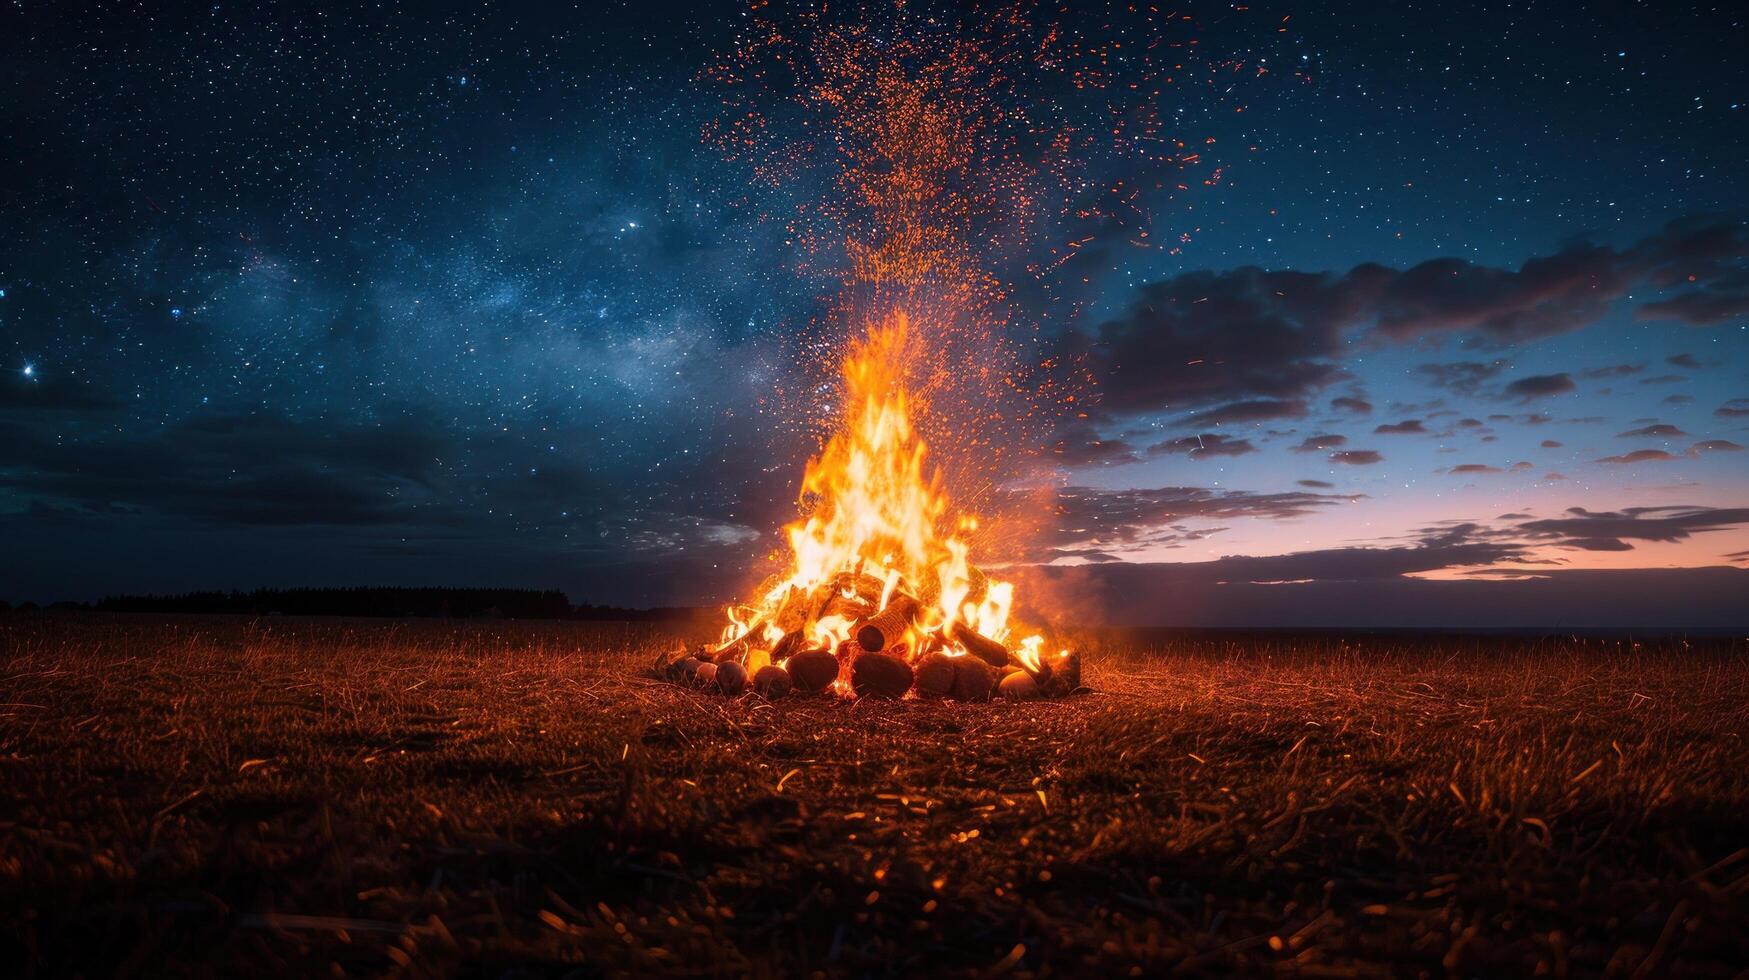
(227, 796)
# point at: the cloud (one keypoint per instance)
(1356, 457)
(1081, 445)
(1724, 299)
(245, 469)
(1405, 427)
(1475, 468)
(1320, 443)
(1551, 444)
(1683, 361)
(1597, 544)
(1207, 338)
(1659, 429)
(1734, 409)
(1664, 524)
(1341, 592)
(1639, 456)
(1462, 377)
(1614, 371)
(1714, 446)
(1204, 446)
(1539, 386)
(1111, 520)
(52, 394)
(1261, 410)
(1316, 484)
(1359, 406)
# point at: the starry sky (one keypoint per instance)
(298, 294)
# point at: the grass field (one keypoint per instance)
(227, 796)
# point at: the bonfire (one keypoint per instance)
(881, 597)
(938, 170)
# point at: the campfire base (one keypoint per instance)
(879, 675)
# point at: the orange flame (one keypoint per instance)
(875, 512)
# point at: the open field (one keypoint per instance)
(225, 796)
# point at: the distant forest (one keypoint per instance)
(372, 601)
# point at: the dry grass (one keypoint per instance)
(218, 796)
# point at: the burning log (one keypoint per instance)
(813, 671)
(681, 669)
(934, 675)
(846, 607)
(1020, 686)
(792, 613)
(978, 645)
(993, 653)
(705, 676)
(888, 627)
(972, 679)
(737, 647)
(793, 642)
(772, 682)
(1065, 676)
(879, 675)
(731, 678)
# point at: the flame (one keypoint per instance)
(875, 515)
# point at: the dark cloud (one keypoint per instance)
(245, 469)
(1211, 337)
(1733, 409)
(1683, 361)
(1207, 337)
(1475, 468)
(1614, 371)
(1724, 299)
(1551, 444)
(1597, 544)
(1081, 445)
(1539, 386)
(1356, 457)
(1663, 379)
(1214, 594)
(1676, 399)
(1714, 446)
(1239, 413)
(1659, 429)
(1316, 484)
(1405, 427)
(1635, 524)
(1113, 519)
(1462, 377)
(1639, 456)
(53, 394)
(1203, 446)
(1320, 443)
(1358, 406)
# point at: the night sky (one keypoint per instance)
(313, 295)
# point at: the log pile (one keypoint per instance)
(888, 652)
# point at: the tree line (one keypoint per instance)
(371, 601)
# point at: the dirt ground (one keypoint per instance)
(217, 796)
